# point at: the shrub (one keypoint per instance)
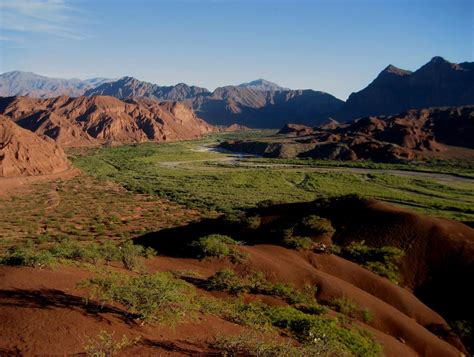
(225, 280)
(252, 222)
(131, 254)
(218, 245)
(387, 270)
(324, 332)
(382, 261)
(214, 245)
(252, 344)
(298, 242)
(27, 255)
(71, 250)
(345, 306)
(157, 297)
(256, 283)
(317, 225)
(109, 252)
(252, 314)
(367, 316)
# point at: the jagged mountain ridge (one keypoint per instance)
(127, 87)
(438, 83)
(262, 103)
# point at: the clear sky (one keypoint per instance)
(337, 46)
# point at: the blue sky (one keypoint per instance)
(337, 46)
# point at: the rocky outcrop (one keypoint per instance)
(95, 120)
(25, 153)
(411, 135)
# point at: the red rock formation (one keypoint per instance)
(406, 136)
(25, 153)
(94, 120)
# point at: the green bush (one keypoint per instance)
(225, 280)
(298, 242)
(131, 254)
(325, 332)
(386, 269)
(251, 315)
(345, 306)
(367, 316)
(252, 222)
(256, 283)
(27, 255)
(382, 261)
(67, 249)
(217, 245)
(317, 225)
(110, 252)
(158, 297)
(252, 344)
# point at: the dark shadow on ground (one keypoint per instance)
(57, 299)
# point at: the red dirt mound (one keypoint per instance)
(290, 266)
(25, 153)
(94, 120)
(439, 253)
(48, 315)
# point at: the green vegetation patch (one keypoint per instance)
(256, 283)
(210, 182)
(218, 245)
(382, 261)
(157, 297)
(40, 254)
(326, 331)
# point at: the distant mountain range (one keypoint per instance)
(261, 103)
(438, 83)
(262, 84)
(128, 87)
(258, 103)
(33, 85)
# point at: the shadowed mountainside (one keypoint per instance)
(438, 83)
